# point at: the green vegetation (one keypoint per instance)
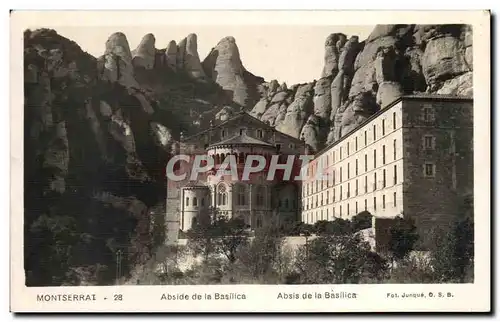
(332, 252)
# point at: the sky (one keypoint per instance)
(288, 53)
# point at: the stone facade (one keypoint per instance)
(257, 199)
(413, 158)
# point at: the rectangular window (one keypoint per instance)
(383, 201)
(366, 139)
(333, 157)
(366, 162)
(340, 158)
(374, 181)
(366, 205)
(348, 211)
(394, 148)
(348, 189)
(428, 142)
(356, 207)
(394, 199)
(356, 187)
(348, 170)
(340, 193)
(429, 170)
(356, 143)
(347, 148)
(374, 132)
(327, 196)
(322, 199)
(374, 159)
(428, 114)
(333, 194)
(394, 120)
(374, 203)
(383, 154)
(334, 177)
(340, 174)
(340, 214)
(366, 184)
(383, 179)
(383, 127)
(395, 174)
(356, 167)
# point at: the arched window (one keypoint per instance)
(187, 201)
(221, 195)
(195, 201)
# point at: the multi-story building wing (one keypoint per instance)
(412, 158)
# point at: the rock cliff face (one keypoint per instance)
(98, 131)
(360, 78)
(224, 66)
(98, 134)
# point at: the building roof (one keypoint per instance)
(239, 116)
(241, 139)
(432, 97)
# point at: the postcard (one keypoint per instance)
(250, 161)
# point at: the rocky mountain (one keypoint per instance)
(99, 130)
(360, 78)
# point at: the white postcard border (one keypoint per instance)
(474, 297)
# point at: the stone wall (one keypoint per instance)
(434, 200)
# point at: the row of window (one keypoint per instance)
(310, 187)
(312, 171)
(330, 159)
(427, 115)
(324, 215)
(375, 184)
(259, 133)
(241, 197)
(195, 202)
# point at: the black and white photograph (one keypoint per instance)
(244, 155)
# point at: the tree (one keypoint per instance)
(403, 238)
(453, 257)
(338, 259)
(338, 226)
(361, 221)
(218, 236)
(261, 254)
(231, 235)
